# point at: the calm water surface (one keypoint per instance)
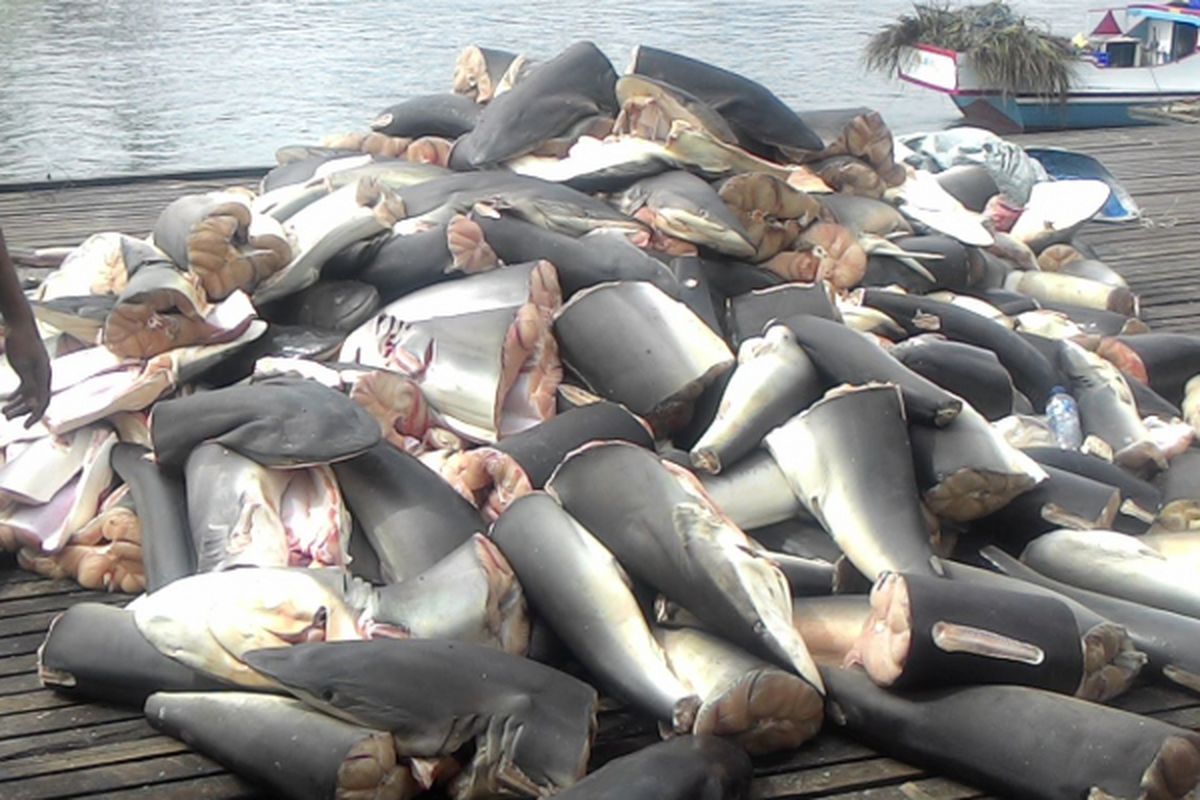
(90, 88)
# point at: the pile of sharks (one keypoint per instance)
(569, 384)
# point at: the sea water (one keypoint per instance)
(107, 87)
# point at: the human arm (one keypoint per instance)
(23, 346)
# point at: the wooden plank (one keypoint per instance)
(1132, 257)
(61, 719)
(1156, 253)
(1178, 315)
(213, 787)
(1149, 277)
(1183, 717)
(937, 789)
(1160, 298)
(924, 789)
(21, 645)
(19, 684)
(100, 755)
(37, 622)
(75, 738)
(829, 748)
(18, 665)
(1167, 278)
(1169, 239)
(42, 588)
(1148, 699)
(60, 602)
(1136, 231)
(1181, 314)
(36, 700)
(833, 764)
(66, 216)
(151, 771)
(52, 737)
(821, 781)
(14, 574)
(1153, 303)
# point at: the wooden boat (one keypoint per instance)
(1136, 57)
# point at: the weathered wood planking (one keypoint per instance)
(52, 745)
(1158, 254)
(1157, 164)
(64, 216)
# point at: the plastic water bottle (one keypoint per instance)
(1062, 412)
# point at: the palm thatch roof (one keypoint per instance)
(1006, 50)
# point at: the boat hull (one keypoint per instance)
(1101, 97)
(1017, 114)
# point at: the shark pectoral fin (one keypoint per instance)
(314, 631)
(492, 770)
(487, 208)
(906, 257)
(417, 735)
(917, 267)
(549, 209)
(925, 321)
(1182, 677)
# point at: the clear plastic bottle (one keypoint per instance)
(1062, 412)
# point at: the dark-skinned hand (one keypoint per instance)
(28, 358)
(23, 346)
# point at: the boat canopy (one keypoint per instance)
(1183, 16)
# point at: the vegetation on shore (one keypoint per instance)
(1007, 51)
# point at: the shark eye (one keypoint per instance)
(327, 694)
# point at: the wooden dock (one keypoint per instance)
(1160, 166)
(52, 746)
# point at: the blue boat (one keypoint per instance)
(1137, 57)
